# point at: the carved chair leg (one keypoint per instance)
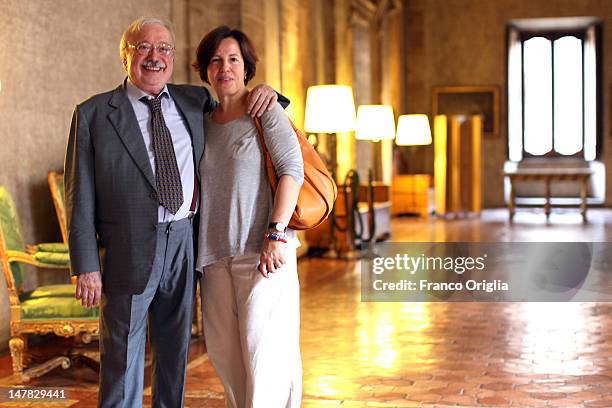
(44, 368)
(16, 345)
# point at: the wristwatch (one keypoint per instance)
(277, 226)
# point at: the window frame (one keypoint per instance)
(551, 34)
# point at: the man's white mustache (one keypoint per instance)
(150, 64)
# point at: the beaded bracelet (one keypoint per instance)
(276, 236)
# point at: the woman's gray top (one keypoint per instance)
(236, 199)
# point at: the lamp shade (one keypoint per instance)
(413, 130)
(375, 122)
(329, 109)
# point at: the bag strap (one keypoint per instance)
(269, 165)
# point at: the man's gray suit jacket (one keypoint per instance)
(111, 200)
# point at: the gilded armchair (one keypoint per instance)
(47, 309)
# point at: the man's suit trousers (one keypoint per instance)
(167, 305)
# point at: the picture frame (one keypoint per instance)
(470, 100)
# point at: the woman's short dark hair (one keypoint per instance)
(210, 43)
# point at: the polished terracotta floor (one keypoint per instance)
(359, 354)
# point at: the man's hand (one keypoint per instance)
(89, 288)
(261, 99)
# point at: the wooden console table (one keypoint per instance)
(410, 194)
(581, 175)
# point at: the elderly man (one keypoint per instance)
(131, 190)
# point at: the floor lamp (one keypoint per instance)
(374, 123)
(330, 109)
(413, 130)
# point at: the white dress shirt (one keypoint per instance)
(181, 141)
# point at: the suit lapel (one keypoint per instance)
(125, 123)
(192, 111)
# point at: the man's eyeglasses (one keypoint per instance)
(144, 48)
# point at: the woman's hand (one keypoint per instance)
(272, 257)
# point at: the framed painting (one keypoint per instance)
(469, 100)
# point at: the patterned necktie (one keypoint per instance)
(167, 175)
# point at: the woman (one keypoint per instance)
(250, 288)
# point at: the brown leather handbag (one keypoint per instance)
(318, 192)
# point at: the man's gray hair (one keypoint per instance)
(135, 27)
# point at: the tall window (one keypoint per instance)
(552, 90)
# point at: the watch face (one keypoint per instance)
(279, 226)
